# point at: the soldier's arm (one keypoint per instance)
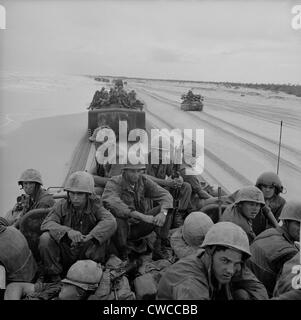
(247, 282)
(157, 193)
(52, 222)
(106, 225)
(112, 199)
(189, 289)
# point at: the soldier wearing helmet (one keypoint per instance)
(217, 272)
(126, 196)
(82, 279)
(248, 203)
(35, 196)
(273, 247)
(188, 238)
(271, 186)
(163, 171)
(77, 227)
(17, 263)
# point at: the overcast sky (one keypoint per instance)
(247, 41)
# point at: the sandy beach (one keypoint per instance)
(42, 120)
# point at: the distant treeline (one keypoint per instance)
(287, 88)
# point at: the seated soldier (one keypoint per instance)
(125, 195)
(35, 196)
(288, 284)
(191, 174)
(78, 227)
(107, 168)
(249, 202)
(81, 281)
(218, 272)
(270, 185)
(188, 238)
(273, 247)
(164, 172)
(16, 260)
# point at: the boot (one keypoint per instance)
(160, 250)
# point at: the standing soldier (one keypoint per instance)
(273, 247)
(125, 195)
(249, 202)
(217, 272)
(78, 227)
(35, 196)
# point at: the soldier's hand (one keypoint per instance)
(170, 183)
(179, 181)
(148, 219)
(159, 219)
(75, 236)
(87, 238)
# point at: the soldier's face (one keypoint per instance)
(225, 264)
(250, 209)
(132, 175)
(29, 188)
(268, 191)
(294, 229)
(78, 199)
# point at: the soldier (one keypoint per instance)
(82, 280)
(188, 238)
(166, 175)
(192, 176)
(125, 195)
(35, 196)
(273, 247)
(104, 171)
(249, 202)
(270, 185)
(217, 272)
(288, 284)
(16, 259)
(76, 228)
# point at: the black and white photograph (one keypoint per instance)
(150, 150)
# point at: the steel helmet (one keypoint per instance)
(291, 211)
(250, 193)
(271, 179)
(195, 227)
(80, 181)
(227, 234)
(85, 274)
(31, 175)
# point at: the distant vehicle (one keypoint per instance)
(192, 102)
(101, 79)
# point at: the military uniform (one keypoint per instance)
(55, 244)
(191, 279)
(15, 255)
(122, 198)
(270, 250)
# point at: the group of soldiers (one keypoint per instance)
(152, 227)
(115, 96)
(190, 97)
